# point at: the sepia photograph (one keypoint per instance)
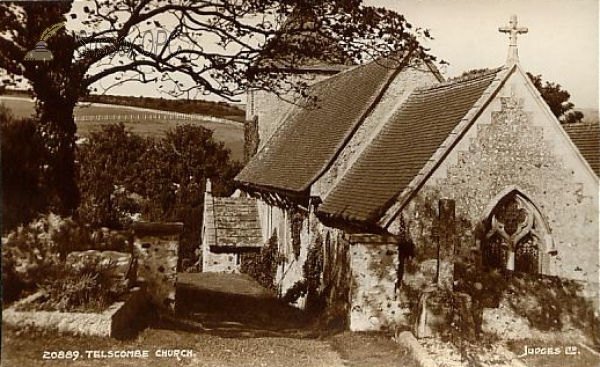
(299, 183)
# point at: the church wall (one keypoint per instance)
(220, 262)
(514, 144)
(271, 109)
(356, 275)
(405, 82)
(278, 220)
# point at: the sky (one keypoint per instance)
(562, 43)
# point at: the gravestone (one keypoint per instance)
(439, 307)
(446, 245)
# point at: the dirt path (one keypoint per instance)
(235, 305)
(221, 321)
(199, 350)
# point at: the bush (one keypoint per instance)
(91, 286)
(123, 175)
(263, 266)
(296, 291)
(31, 253)
(12, 285)
(112, 168)
(23, 194)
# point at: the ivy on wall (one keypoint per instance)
(297, 219)
(312, 272)
(262, 266)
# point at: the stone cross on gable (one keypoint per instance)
(513, 30)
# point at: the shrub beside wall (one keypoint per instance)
(262, 266)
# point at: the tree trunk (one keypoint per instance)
(58, 128)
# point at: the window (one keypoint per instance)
(516, 236)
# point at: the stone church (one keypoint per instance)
(395, 175)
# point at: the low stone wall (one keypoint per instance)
(117, 321)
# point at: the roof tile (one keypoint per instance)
(402, 148)
(236, 223)
(308, 139)
(586, 137)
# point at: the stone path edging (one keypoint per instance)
(407, 339)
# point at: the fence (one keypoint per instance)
(156, 116)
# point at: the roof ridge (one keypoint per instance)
(463, 79)
(582, 123)
(350, 68)
(399, 67)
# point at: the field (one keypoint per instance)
(232, 134)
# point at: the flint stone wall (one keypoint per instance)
(374, 303)
(156, 249)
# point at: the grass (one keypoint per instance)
(231, 135)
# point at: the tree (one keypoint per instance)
(557, 99)
(176, 180)
(22, 164)
(122, 174)
(206, 46)
(112, 168)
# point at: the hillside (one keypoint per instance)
(231, 134)
(201, 107)
(216, 109)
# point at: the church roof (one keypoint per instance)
(309, 138)
(403, 147)
(586, 137)
(232, 222)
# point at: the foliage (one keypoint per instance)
(296, 291)
(30, 252)
(56, 86)
(123, 176)
(288, 33)
(313, 272)
(298, 218)
(23, 193)
(310, 284)
(186, 157)
(263, 266)
(239, 34)
(112, 165)
(12, 284)
(557, 99)
(547, 302)
(90, 286)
